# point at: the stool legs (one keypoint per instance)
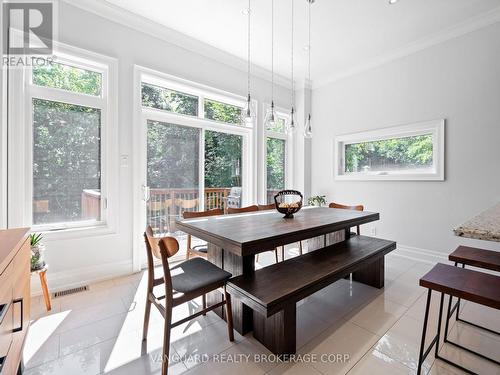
(45, 290)
(421, 356)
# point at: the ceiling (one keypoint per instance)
(345, 33)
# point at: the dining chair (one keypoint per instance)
(358, 207)
(199, 250)
(272, 206)
(184, 282)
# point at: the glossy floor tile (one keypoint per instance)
(346, 327)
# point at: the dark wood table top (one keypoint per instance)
(252, 233)
(478, 287)
(473, 256)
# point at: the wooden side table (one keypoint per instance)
(43, 282)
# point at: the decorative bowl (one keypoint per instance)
(288, 202)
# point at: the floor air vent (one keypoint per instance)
(71, 291)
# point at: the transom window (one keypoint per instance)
(175, 101)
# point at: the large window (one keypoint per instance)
(276, 157)
(69, 118)
(408, 152)
(198, 155)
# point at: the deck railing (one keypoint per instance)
(167, 205)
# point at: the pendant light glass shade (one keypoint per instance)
(308, 127)
(271, 118)
(248, 112)
(291, 125)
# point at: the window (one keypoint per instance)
(222, 112)
(413, 152)
(70, 120)
(169, 100)
(276, 157)
(68, 78)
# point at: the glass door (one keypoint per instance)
(173, 174)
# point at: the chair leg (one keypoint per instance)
(166, 340)
(282, 253)
(229, 313)
(204, 302)
(276, 254)
(45, 289)
(300, 247)
(257, 258)
(147, 313)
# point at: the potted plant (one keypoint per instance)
(317, 200)
(37, 252)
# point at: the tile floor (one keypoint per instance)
(345, 328)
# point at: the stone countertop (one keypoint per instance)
(485, 226)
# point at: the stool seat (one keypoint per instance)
(470, 285)
(476, 257)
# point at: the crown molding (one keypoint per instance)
(463, 28)
(144, 25)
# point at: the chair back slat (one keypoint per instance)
(264, 207)
(358, 207)
(252, 208)
(194, 214)
(152, 247)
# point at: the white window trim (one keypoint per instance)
(3, 139)
(434, 127)
(143, 114)
(21, 139)
(283, 113)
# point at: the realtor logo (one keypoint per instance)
(28, 28)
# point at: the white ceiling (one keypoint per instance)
(345, 33)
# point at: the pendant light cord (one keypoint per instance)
(272, 51)
(248, 35)
(309, 44)
(293, 82)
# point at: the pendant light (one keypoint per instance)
(307, 125)
(271, 117)
(291, 125)
(248, 112)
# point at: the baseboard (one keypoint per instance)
(420, 255)
(81, 276)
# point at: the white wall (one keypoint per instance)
(458, 80)
(82, 259)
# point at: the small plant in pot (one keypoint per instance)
(37, 252)
(317, 200)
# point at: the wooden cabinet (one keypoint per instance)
(14, 297)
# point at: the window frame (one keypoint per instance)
(282, 113)
(435, 127)
(106, 102)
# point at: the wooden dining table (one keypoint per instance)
(234, 240)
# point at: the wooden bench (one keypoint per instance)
(272, 292)
(473, 256)
(474, 286)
